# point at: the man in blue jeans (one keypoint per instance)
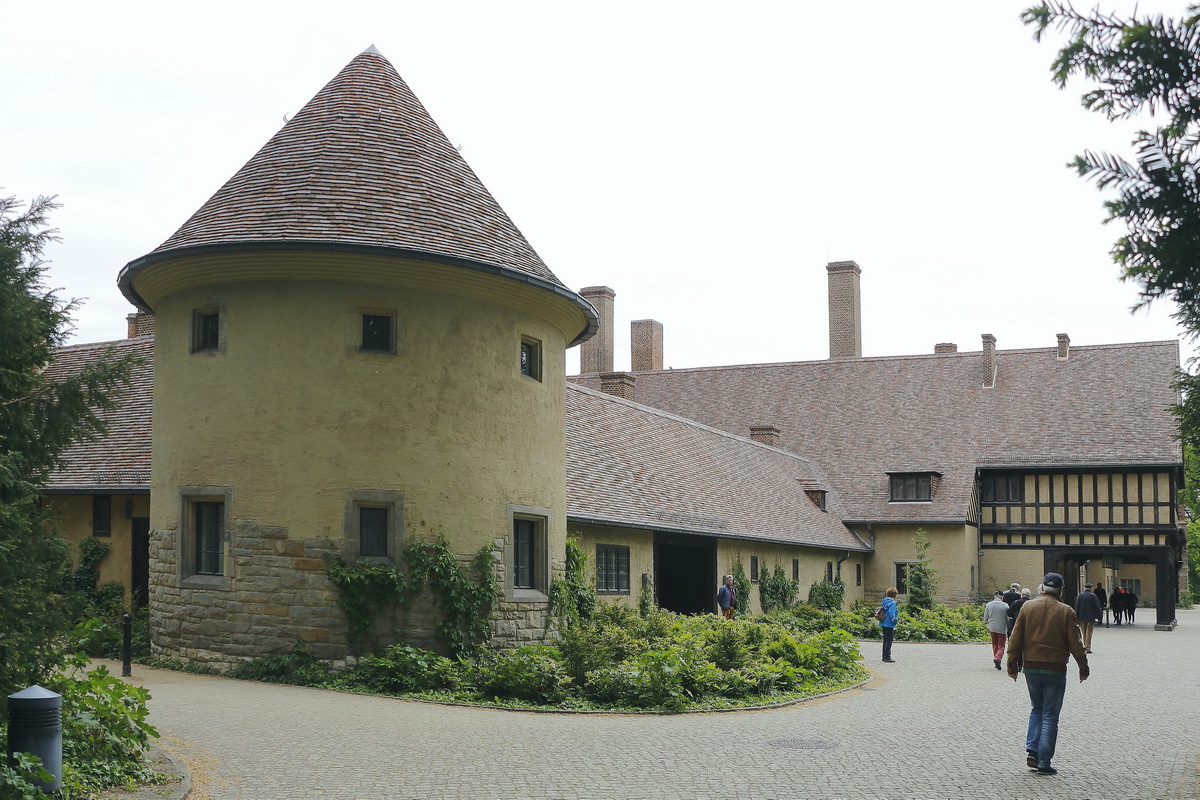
(1045, 637)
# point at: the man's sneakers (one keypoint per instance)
(889, 661)
(1031, 759)
(1047, 771)
(996, 661)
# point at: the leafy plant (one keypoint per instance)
(776, 590)
(572, 597)
(296, 666)
(922, 578)
(401, 669)
(827, 594)
(741, 588)
(533, 672)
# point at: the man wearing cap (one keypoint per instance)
(1088, 611)
(995, 616)
(1011, 596)
(1046, 636)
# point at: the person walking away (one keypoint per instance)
(1131, 601)
(1014, 611)
(1046, 636)
(891, 617)
(1011, 596)
(1088, 612)
(1117, 601)
(727, 597)
(995, 616)
(1102, 596)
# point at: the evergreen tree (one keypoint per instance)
(1144, 64)
(922, 577)
(39, 418)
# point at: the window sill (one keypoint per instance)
(528, 596)
(910, 502)
(212, 582)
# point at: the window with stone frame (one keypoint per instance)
(373, 524)
(527, 554)
(203, 543)
(206, 333)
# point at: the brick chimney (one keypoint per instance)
(140, 324)
(765, 434)
(596, 354)
(989, 361)
(1064, 347)
(646, 338)
(945, 347)
(845, 310)
(618, 384)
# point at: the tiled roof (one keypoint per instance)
(362, 164)
(121, 458)
(860, 419)
(632, 465)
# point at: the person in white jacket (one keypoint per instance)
(995, 615)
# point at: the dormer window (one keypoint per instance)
(817, 496)
(913, 487)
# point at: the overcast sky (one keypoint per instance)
(705, 160)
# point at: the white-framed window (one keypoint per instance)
(373, 524)
(203, 543)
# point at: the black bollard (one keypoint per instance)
(126, 645)
(35, 726)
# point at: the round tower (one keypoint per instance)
(355, 347)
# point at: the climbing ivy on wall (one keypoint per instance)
(573, 596)
(741, 588)
(776, 591)
(465, 597)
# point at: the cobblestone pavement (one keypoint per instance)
(941, 722)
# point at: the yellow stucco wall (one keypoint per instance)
(641, 554)
(72, 517)
(290, 415)
(812, 566)
(952, 554)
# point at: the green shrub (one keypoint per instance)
(776, 590)
(650, 680)
(401, 669)
(827, 595)
(535, 673)
(296, 666)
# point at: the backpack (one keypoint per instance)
(880, 612)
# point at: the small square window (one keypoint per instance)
(531, 358)
(373, 524)
(377, 334)
(612, 569)
(206, 331)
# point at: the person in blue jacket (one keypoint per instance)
(891, 615)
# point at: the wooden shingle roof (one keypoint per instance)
(120, 459)
(860, 419)
(635, 466)
(361, 166)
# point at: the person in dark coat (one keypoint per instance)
(1088, 612)
(1014, 611)
(1131, 601)
(1011, 596)
(1117, 603)
(1102, 596)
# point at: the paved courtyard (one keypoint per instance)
(939, 723)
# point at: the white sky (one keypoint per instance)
(705, 160)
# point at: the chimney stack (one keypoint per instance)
(139, 324)
(765, 434)
(646, 336)
(989, 361)
(618, 384)
(845, 310)
(1064, 347)
(945, 347)
(596, 354)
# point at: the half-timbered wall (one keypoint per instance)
(1081, 500)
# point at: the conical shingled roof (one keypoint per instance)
(362, 164)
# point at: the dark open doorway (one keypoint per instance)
(685, 573)
(140, 561)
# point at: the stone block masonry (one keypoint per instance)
(279, 593)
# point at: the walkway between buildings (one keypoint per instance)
(941, 722)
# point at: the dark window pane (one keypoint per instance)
(753, 568)
(612, 568)
(210, 524)
(208, 331)
(523, 540)
(377, 333)
(530, 353)
(372, 531)
(902, 578)
(101, 515)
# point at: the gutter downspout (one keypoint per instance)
(839, 563)
(978, 540)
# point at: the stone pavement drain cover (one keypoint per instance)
(802, 744)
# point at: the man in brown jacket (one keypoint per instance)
(1045, 637)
